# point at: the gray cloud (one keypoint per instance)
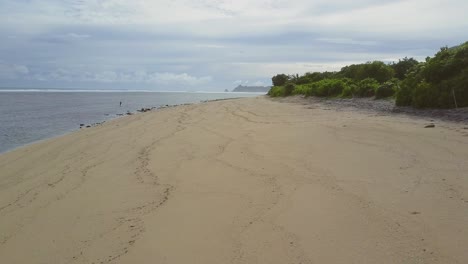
(12, 71)
(212, 43)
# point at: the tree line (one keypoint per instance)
(437, 82)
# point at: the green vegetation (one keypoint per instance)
(276, 91)
(439, 82)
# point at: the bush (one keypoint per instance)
(366, 88)
(404, 96)
(460, 88)
(288, 89)
(302, 89)
(386, 90)
(280, 79)
(276, 91)
(441, 81)
(328, 87)
(403, 67)
(348, 91)
(436, 82)
(376, 70)
(426, 95)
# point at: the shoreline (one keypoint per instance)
(354, 104)
(109, 118)
(250, 180)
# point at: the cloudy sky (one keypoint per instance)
(211, 44)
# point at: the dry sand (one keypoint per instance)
(240, 181)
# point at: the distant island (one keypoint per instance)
(251, 89)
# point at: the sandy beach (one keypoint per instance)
(249, 180)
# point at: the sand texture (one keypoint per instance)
(240, 181)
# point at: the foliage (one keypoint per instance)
(289, 88)
(387, 89)
(303, 89)
(366, 88)
(329, 87)
(441, 81)
(276, 91)
(311, 77)
(403, 66)
(424, 95)
(377, 70)
(348, 91)
(280, 79)
(404, 95)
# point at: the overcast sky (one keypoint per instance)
(211, 44)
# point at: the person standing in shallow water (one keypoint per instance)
(120, 103)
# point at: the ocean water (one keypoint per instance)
(26, 117)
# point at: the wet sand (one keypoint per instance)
(249, 180)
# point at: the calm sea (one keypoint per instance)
(26, 117)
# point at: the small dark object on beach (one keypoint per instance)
(81, 125)
(143, 110)
(429, 126)
(415, 213)
(88, 126)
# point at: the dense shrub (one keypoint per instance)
(459, 84)
(376, 70)
(441, 81)
(288, 89)
(425, 95)
(303, 89)
(404, 96)
(348, 91)
(366, 88)
(276, 91)
(402, 67)
(326, 88)
(280, 79)
(311, 77)
(386, 90)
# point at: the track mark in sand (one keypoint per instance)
(47, 203)
(142, 171)
(262, 217)
(245, 118)
(162, 192)
(64, 173)
(129, 226)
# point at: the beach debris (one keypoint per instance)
(81, 125)
(415, 213)
(129, 113)
(429, 126)
(143, 110)
(88, 126)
